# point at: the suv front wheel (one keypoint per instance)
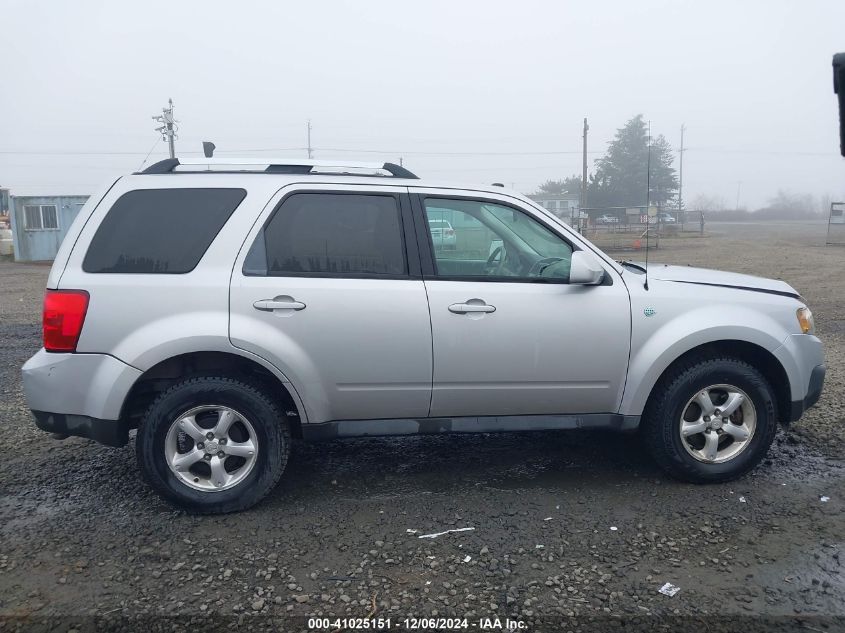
(213, 445)
(710, 420)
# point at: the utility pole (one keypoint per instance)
(583, 204)
(168, 127)
(310, 150)
(681, 174)
(738, 188)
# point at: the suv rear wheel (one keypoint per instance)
(213, 445)
(710, 420)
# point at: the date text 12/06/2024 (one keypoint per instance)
(416, 624)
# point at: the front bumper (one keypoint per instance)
(79, 394)
(802, 357)
(814, 392)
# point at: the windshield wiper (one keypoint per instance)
(624, 262)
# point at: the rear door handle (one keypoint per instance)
(464, 308)
(268, 305)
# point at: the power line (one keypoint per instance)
(762, 152)
(124, 153)
(292, 149)
(387, 152)
(425, 153)
(68, 153)
(497, 168)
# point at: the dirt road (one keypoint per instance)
(567, 526)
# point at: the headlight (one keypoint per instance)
(805, 320)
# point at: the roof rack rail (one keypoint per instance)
(273, 165)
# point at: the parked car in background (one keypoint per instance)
(223, 313)
(666, 218)
(607, 218)
(442, 234)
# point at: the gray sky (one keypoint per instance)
(508, 82)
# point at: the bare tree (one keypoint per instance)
(703, 202)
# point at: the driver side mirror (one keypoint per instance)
(584, 269)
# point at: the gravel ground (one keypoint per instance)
(571, 530)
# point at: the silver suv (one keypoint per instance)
(224, 308)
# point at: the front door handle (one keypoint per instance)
(279, 303)
(473, 305)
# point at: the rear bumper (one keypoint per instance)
(814, 392)
(88, 385)
(109, 432)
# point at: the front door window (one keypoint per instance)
(477, 239)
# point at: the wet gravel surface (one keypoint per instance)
(565, 525)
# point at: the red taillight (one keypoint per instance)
(64, 314)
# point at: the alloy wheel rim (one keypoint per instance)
(211, 448)
(717, 423)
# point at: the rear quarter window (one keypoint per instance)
(161, 231)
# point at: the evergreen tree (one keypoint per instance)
(620, 176)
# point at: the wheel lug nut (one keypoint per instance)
(207, 458)
(200, 445)
(222, 440)
(210, 435)
(706, 418)
(221, 454)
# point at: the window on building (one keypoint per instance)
(31, 217)
(49, 216)
(331, 234)
(38, 217)
(163, 231)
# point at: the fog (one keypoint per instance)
(461, 91)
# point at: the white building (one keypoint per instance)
(563, 205)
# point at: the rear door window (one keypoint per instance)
(162, 231)
(331, 234)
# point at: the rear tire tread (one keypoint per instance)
(275, 461)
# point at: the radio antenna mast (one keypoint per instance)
(647, 204)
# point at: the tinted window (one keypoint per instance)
(494, 241)
(324, 233)
(160, 230)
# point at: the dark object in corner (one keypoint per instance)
(839, 89)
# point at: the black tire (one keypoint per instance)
(662, 418)
(267, 419)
